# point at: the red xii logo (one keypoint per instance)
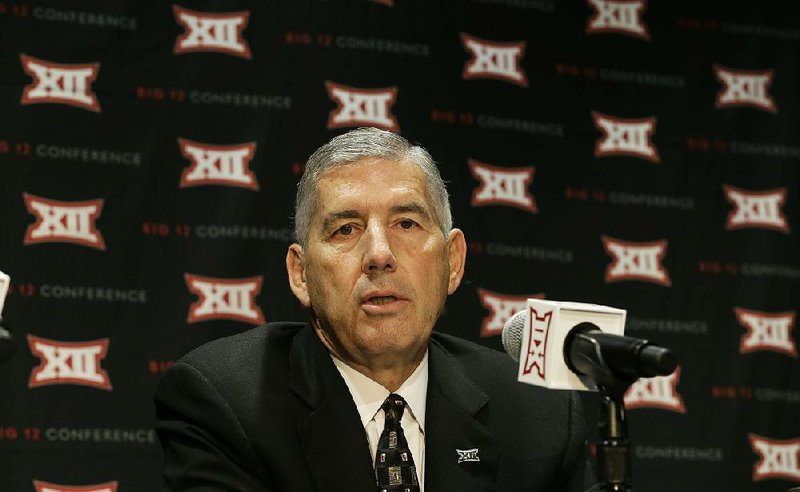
(766, 331)
(226, 165)
(503, 186)
(207, 32)
(636, 261)
(537, 342)
(60, 83)
(618, 16)
(360, 107)
(629, 137)
(232, 299)
(777, 458)
(745, 88)
(64, 222)
(756, 209)
(69, 363)
(494, 60)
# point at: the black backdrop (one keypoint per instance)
(642, 155)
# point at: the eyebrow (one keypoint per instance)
(411, 207)
(334, 217)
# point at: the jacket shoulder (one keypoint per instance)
(496, 372)
(473, 357)
(244, 350)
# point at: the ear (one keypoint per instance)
(297, 273)
(457, 254)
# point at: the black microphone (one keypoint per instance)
(591, 352)
(586, 351)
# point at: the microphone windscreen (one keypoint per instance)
(512, 334)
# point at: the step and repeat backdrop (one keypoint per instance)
(639, 154)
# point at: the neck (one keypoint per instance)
(390, 378)
(390, 371)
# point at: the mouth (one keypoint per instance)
(380, 300)
(382, 303)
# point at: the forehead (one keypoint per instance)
(372, 182)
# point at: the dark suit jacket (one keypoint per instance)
(267, 410)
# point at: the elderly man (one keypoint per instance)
(366, 397)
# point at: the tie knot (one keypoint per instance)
(393, 406)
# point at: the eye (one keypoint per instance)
(406, 223)
(345, 230)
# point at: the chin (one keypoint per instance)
(388, 347)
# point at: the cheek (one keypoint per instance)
(438, 269)
(328, 285)
(316, 282)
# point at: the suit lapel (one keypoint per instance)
(332, 436)
(454, 438)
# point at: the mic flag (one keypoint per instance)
(536, 337)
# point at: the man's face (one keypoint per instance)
(376, 269)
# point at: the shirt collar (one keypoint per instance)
(369, 395)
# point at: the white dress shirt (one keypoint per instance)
(369, 395)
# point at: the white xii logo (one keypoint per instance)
(745, 88)
(658, 392)
(756, 209)
(232, 299)
(213, 32)
(226, 165)
(69, 363)
(60, 83)
(360, 107)
(778, 458)
(618, 16)
(64, 222)
(501, 308)
(494, 60)
(502, 186)
(630, 137)
(636, 261)
(766, 331)
(54, 487)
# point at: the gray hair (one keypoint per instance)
(365, 143)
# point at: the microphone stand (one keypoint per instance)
(613, 452)
(614, 449)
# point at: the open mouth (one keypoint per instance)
(381, 300)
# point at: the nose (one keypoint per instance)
(378, 255)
